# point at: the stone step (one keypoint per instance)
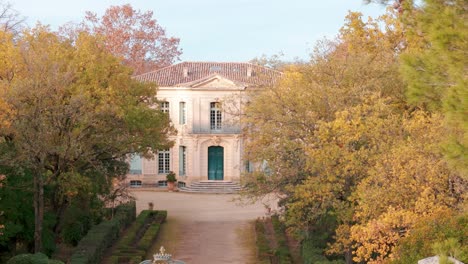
(212, 187)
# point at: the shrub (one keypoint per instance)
(150, 235)
(152, 232)
(77, 223)
(436, 229)
(91, 248)
(125, 214)
(37, 258)
(263, 247)
(283, 250)
(146, 228)
(171, 177)
(132, 231)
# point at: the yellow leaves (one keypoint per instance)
(376, 239)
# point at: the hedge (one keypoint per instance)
(37, 258)
(263, 246)
(92, 247)
(280, 234)
(152, 232)
(133, 230)
(147, 225)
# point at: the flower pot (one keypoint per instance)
(171, 186)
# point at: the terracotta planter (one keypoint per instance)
(171, 186)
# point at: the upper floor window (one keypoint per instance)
(182, 113)
(164, 107)
(164, 161)
(215, 116)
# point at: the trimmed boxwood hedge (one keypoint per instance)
(145, 228)
(280, 235)
(263, 247)
(92, 247)
(132, 231)
(266, 253)
(38, 258)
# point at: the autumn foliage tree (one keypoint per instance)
(355, 164)
(76, 113)
(134, 36)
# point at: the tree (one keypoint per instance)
(435, 69)
(78, 114)
(134, 36)
(279, 119)
(10, 19)
(10, 54)
(334, 126)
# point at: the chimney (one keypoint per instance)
(249, 71)
(185, 72)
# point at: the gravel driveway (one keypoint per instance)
(204, 228)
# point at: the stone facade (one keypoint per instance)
(203, 100)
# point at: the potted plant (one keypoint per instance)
(171, 179)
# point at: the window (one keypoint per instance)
(162, 183)
(135, 164)
(164, 107)
(164, 160)
(266, 168)
(215, 68)
(182, 160)
(215, 116)
(249, 166)
(182, 113)
(135, 183)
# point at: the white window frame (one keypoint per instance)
(182, 113)
(134, 158)
(216, 117)
(165, 106)
(182, 160)
(135, 183)
(164, 161)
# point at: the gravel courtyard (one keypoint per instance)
(205, 228)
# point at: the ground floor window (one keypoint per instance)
(136, 164)
(249, 166)
(182, 160)
(164, 161)
(162, 183)
(135, 183)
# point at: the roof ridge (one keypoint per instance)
(244, 72)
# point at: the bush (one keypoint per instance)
(77, 222)
(91, 248)
(146, 228)
(283, 250)
(433, 230)
(125, 214)
(133, 230)
(152, 232)
(263, 247)
(37, 258)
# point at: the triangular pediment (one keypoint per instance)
(215, 81)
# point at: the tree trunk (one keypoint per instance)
(349, 257)
(38, 210)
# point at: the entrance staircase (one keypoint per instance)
(223, 187)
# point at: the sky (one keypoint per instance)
(221, 30)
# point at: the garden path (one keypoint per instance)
(205, 228)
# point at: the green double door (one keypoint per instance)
(216, 163)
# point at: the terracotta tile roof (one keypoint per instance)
(188, 72)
